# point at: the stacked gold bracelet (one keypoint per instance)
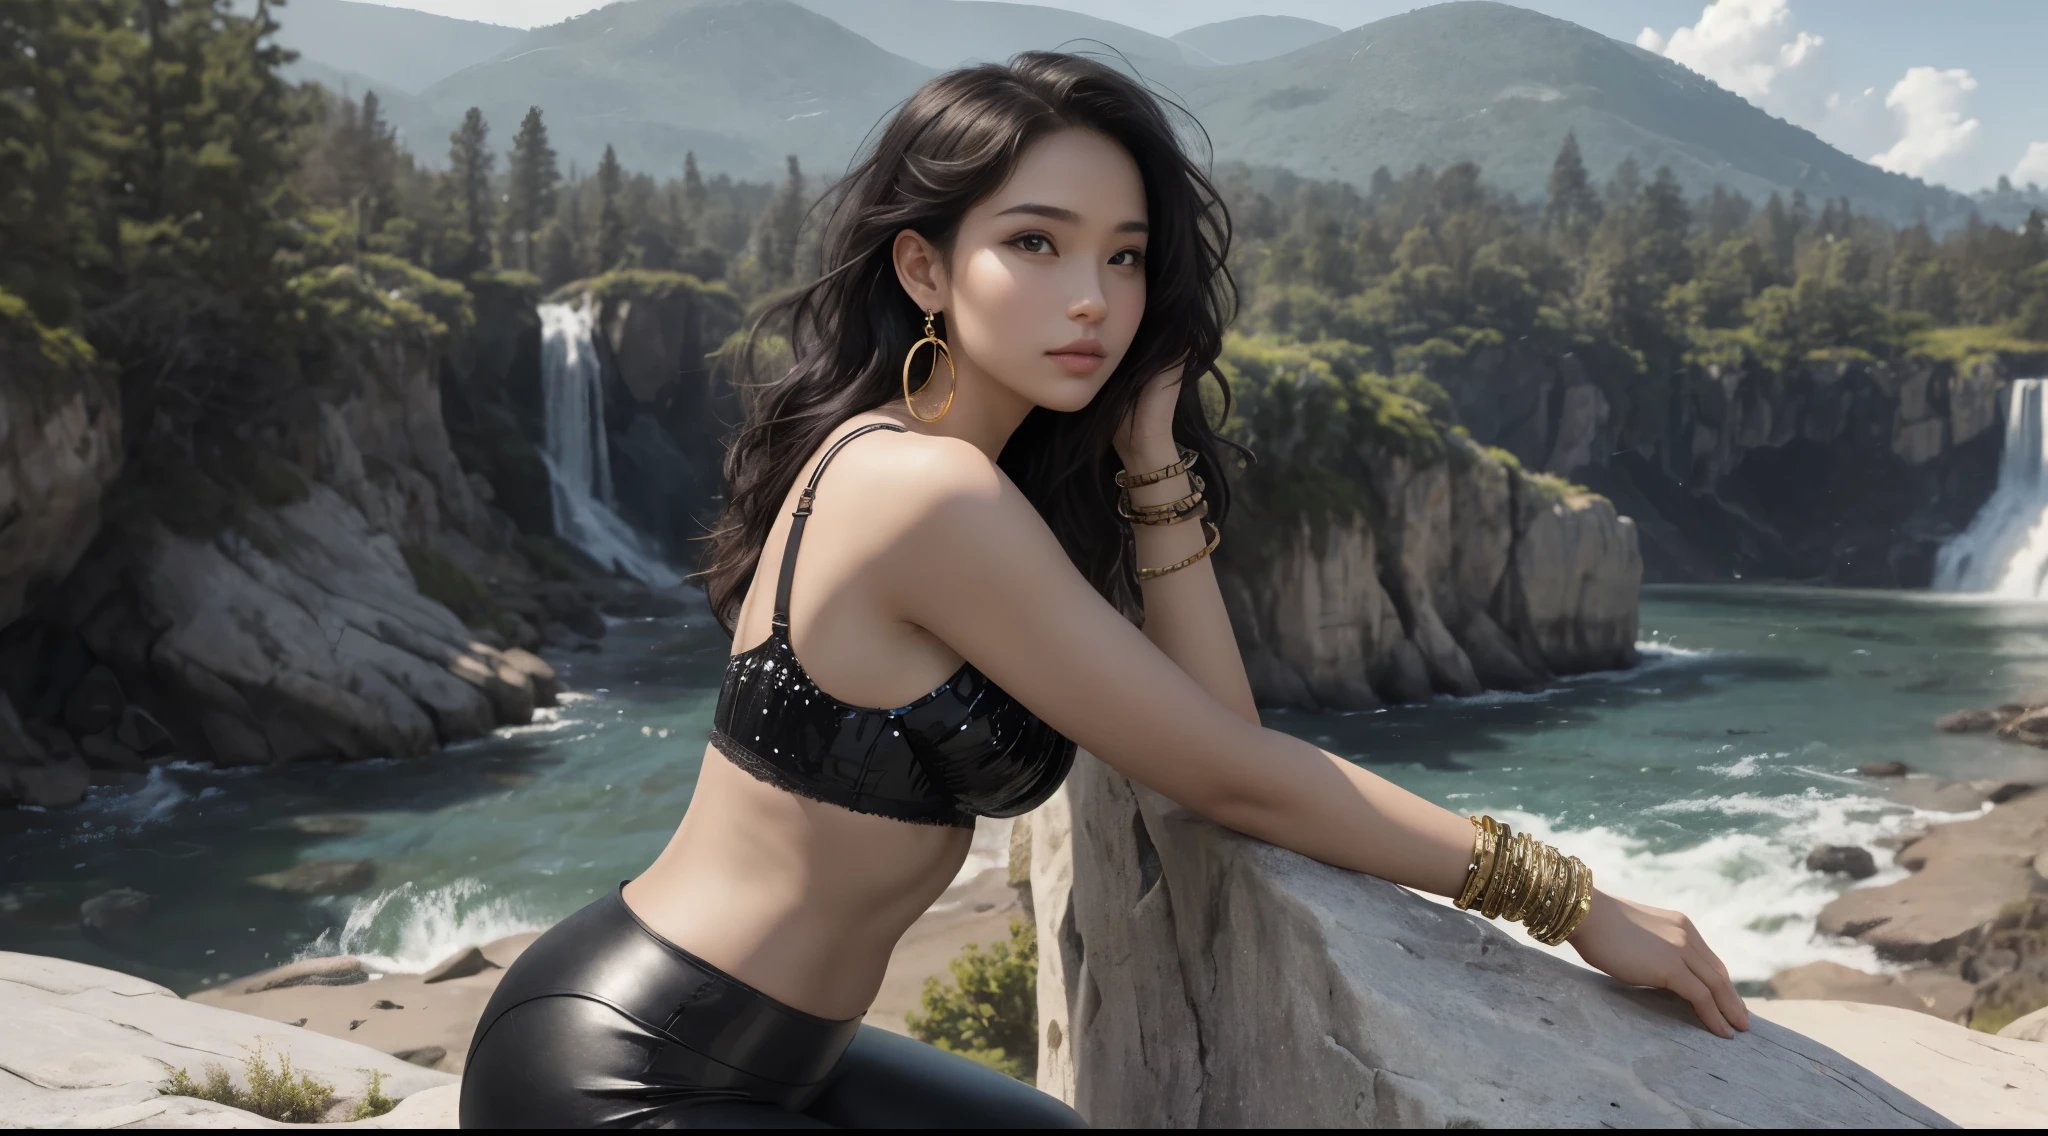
(1526, 881)
(1189, 507)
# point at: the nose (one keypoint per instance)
(1089, 307)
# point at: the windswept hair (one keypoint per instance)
(951, 145)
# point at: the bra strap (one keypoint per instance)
(803, 513)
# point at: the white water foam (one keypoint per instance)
(408, 929)
(577, 456)
(1750, 894)
(2004, 551)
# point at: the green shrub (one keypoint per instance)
(375, 1102)
(990, 1015)
(276, 1094)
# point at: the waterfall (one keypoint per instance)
(2004, 552)
(578, 461)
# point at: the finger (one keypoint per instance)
(1688, 986)
(1723, 989)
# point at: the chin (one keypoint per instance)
(1067, 393)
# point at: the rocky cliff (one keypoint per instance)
(1192, 977)
(1473, 575)
(263, 599)
(1842, 470)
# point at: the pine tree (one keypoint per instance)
(1625, 184)
(695, 196)
(611, 223)
(469, 179)
(1572, 208)
(533, 175)
(775, 233)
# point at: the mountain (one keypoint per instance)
(394, 50)
(1500, 86)
(741, 82)
(1252, 38)
(744, 82)
(947, 33)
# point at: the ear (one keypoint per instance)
(921, 270)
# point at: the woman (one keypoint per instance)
(1032, 237)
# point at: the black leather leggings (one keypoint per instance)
(603, 1023)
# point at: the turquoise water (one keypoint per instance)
(1697, 780)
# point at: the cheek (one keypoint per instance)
(987, 298)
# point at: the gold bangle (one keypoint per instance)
(1503, 872)
(1472, 876)
(1188, 509)
(1582, 905)
(1188, 457)
(1556, 874)
(1141, 513)
(1215, 538)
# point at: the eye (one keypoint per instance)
(1024, 242)
(1137, 257)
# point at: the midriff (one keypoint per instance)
(802, 900)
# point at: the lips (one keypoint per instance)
(1079, 357)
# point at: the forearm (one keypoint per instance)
(1309, 801)
(1184, 613)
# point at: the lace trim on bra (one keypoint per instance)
(908, 811)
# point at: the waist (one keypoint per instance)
(606, 953)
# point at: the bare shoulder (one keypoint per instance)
(911, 481)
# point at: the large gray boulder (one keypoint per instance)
(90, 1048)
(1194, 977)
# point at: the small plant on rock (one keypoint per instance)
(276, 1094)
(374, 1102)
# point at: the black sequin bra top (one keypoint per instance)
(964, 750)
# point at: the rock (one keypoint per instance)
(118, 912)
(140, 731)
(60, 448)
(2030, 728)
(538, 673)
(1964, 874)
(90, 1048)
(1198, 977)
(1983, 966)
(320, 877)
(1835, 982)
(1882, 769)
(95, 703)
(565, 604)
(105, 751)
(1968, 721)
(426, 1056)
(1972, 1078)
(461, 964)
(1945, 994)
(38, 767)
(334, 970)
(2032, 1027)
(1855, 863)
(2009, 791)
(327, 824)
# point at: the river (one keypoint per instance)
(1696, 780)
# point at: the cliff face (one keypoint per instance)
(1841, 471)
(265, 605)
(1476, 575)
(668, 408)
(60, 447)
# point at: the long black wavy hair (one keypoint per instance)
(952, 144)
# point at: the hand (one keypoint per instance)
(1149, 428)
(1648, 946)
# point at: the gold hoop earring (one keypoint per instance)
(939, 348)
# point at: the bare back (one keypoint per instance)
(802, 899)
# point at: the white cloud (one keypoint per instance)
(2033, 167)
(1930, 106)
(1744, 45)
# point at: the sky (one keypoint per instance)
(1954, 92)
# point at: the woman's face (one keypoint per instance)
(1047, 280)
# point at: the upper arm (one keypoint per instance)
(983, 573)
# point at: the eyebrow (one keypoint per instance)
(1054, 212)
